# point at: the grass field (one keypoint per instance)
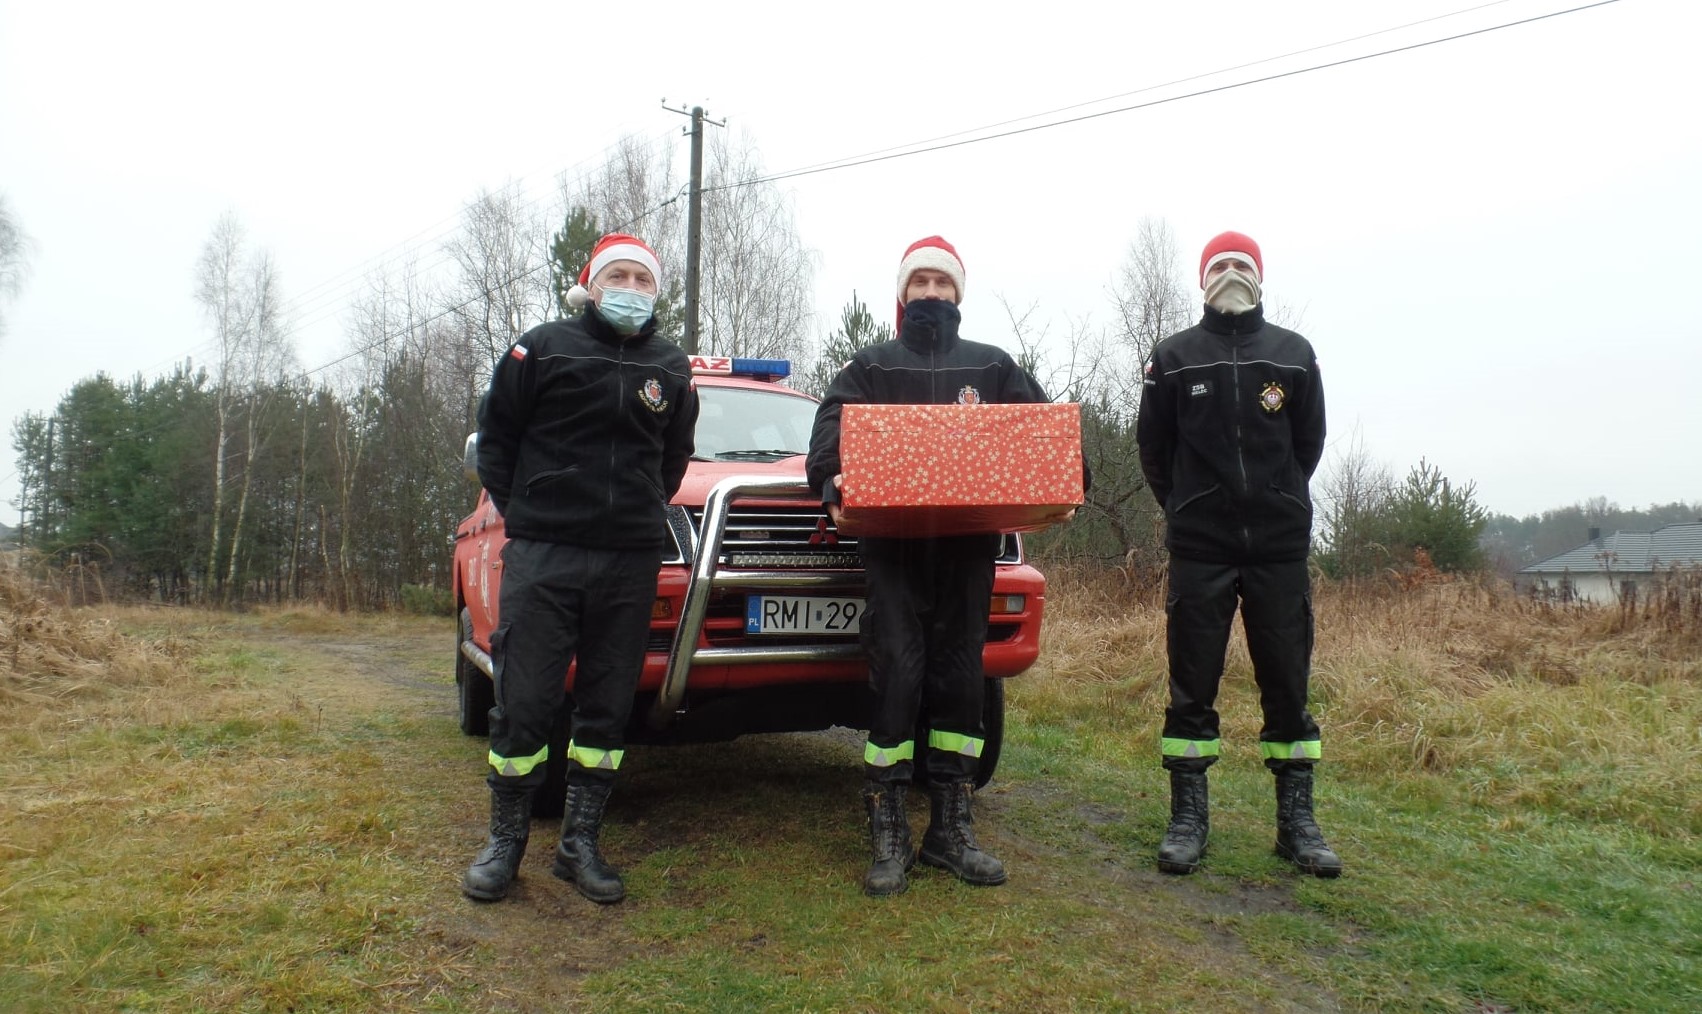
(272, 811)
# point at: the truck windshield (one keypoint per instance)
(739, 424)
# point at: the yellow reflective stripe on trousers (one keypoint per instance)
(591, 757)
(955, 742)
(517, 766)
(1189, 747)
(1306, 749)
(887, 756)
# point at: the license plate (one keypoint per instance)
(801, 614)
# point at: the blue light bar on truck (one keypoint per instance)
(728, 366)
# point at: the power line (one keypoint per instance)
(854, 159)
(322, 307)
(885, 156)
(905, 151)
(387, 337)
(305, 310)
(517, 276)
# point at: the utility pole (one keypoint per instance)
(694, 224)
(694, 231)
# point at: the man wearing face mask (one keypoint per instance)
(928, 599)
(1231, 428)
(584, 436)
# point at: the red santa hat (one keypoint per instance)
(1231, 244)
(616, 246)
(930, 252)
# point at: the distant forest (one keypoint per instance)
(1511, 543)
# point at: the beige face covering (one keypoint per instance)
(1232, 291)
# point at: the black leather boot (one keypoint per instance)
(492, 873)
(1299, 839)
(577, 859)
(1185, 839)
(950, 841)
(889, 839)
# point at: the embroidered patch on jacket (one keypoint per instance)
(518, 352)
(1272, 396)
(651, 395)
(1199, 389)
(968, 395)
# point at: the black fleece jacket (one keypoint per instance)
(584, 434)
(1231, 428)
(927, 364)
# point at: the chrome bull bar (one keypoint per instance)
(706, 576)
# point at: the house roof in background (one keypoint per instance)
(1629, 552)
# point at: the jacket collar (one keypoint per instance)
(1234, 324)
(924, 338)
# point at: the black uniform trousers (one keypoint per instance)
(1276, 613)
(924, 631)
(560, 602)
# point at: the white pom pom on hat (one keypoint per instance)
(616, 246)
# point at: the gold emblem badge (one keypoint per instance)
(1272, 396)
(651, 395)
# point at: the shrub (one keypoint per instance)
(421, 600)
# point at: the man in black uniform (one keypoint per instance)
(925, 625)
(583, 438)
(1230, 430)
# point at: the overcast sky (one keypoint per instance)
(1493, 242)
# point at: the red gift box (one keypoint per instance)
(926, 470)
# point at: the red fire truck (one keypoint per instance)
(755, 624)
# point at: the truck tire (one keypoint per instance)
(472, 686)
(993, 735)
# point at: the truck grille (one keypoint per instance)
(782, 538)
(795, 538)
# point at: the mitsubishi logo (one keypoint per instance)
(821, 536)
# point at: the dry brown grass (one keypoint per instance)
(279, 818)
(1455, 637)
(48, 653)
(1444, 675)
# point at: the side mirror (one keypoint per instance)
(470, 457)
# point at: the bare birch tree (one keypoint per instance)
(757, 294)
(1351, 505)
(14, 255)
(375, 332)
(502, 284)
(1151, 298)
(263, 364)
(636, 190)
(1151, 302)
(237, 291)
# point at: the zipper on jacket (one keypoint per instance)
(1240, 445)
(614, 431)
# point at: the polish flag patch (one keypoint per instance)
(518, 352)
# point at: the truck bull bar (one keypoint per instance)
(707, 575)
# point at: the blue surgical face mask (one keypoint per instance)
(626, 310)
